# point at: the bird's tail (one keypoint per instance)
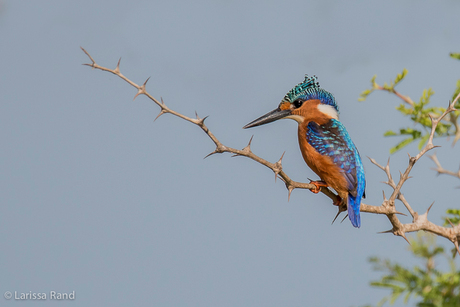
(354, 203)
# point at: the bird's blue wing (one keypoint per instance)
(332, 140)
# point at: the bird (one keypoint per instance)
(324, 143)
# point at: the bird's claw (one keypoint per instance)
(318, 185)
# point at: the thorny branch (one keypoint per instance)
(419, 222)
(442, 170)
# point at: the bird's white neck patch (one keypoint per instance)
(330, 111)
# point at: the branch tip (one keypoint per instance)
(386, 182)
(89, 56)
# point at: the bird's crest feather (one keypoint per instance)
(308, 85)
(310, 89)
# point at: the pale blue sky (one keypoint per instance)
(99, 199)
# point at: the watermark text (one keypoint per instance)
(39, 296)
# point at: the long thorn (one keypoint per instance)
(210, 154)
(404, 236)
(456, 245)
(117, 69)
(336, 216)
(429, 208)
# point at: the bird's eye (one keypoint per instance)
(298, 103)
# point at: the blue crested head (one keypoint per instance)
(310, 89)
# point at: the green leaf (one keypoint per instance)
(400, 76)
(410, 131)
(401, 145)
(455, 55)
(404, 110)
(374, 84)
(364, 94)
(390, 133)
(406, 298)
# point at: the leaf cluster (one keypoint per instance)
(420, 113)
(430, 286)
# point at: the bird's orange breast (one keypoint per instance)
(323, 166)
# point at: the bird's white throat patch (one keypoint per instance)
(297, 118)
(330, 111)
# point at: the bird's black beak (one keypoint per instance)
(269, 117)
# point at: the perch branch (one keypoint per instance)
(220, 148)
(388, 208)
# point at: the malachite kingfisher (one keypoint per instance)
(324, 142)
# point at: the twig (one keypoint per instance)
(442, 170)
(406, 99)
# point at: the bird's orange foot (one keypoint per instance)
(318, 185)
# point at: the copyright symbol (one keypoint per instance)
(8, 295)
